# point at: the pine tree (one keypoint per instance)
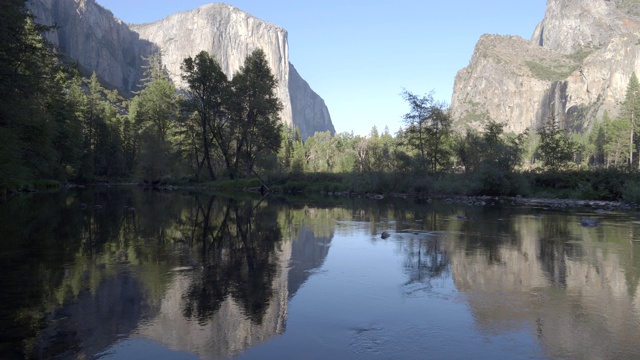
(556, 149)
(28, 69)
(155, 112)
(631, 110)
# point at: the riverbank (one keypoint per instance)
(601, 190)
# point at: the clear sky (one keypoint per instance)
(359, 55)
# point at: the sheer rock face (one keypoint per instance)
(311, 114)
(228, 33)
(576, 66)
(92, 36)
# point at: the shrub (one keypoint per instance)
(631, 192)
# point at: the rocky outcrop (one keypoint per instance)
(92, 37)
(576, 66)
(228, 33)
(97, 41)
(310, 113)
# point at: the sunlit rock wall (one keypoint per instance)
(575, 67)
(92, 37)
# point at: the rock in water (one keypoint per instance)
(588, 222)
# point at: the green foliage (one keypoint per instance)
(154, 115)
(238, 121)
(617, 142)
(490, 159)
(28, 90)
(631, 192)
(557, 70)
(254, 110)
(208, 90)
(428, 131)
(631, 111)
(601, 184)
(56, 125)
(491, 149)
(556, 150)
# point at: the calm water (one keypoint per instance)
(151, 275)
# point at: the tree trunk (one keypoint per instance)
(207, 153)
(631, 144)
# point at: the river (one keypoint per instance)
(124, 273)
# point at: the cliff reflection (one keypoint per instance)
(232, 293)
(573, 288)
(214, 276)
(197, 273)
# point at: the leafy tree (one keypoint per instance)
(492, 149)
(556, 149)
(67, 139)
(208, 90)
(428, 130)
(346, 154)
(254, 112)
(290, 136)
(320, 154)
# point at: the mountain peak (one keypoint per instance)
(571, 26)
(92, 36)
(575, 67)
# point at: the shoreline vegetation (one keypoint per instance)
(58, 127)
(577, 190)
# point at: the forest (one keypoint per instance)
(58, 126)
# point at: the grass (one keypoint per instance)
(600, 184)
(558, 70)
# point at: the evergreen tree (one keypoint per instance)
(28, 69)
(155, 112)
(631, 111)
(617, 142)
(556, 150)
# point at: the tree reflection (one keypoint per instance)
(425, 260)
(237, 241)
(553, 250)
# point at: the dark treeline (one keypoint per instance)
(57, 125)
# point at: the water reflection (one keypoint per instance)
(194, 272)
(573, 289)
(551, 276)
(215, 276)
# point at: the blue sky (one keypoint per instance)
(359, 55)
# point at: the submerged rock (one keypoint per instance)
(588, 222)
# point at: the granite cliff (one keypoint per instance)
(91, 36)
(576, 66)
